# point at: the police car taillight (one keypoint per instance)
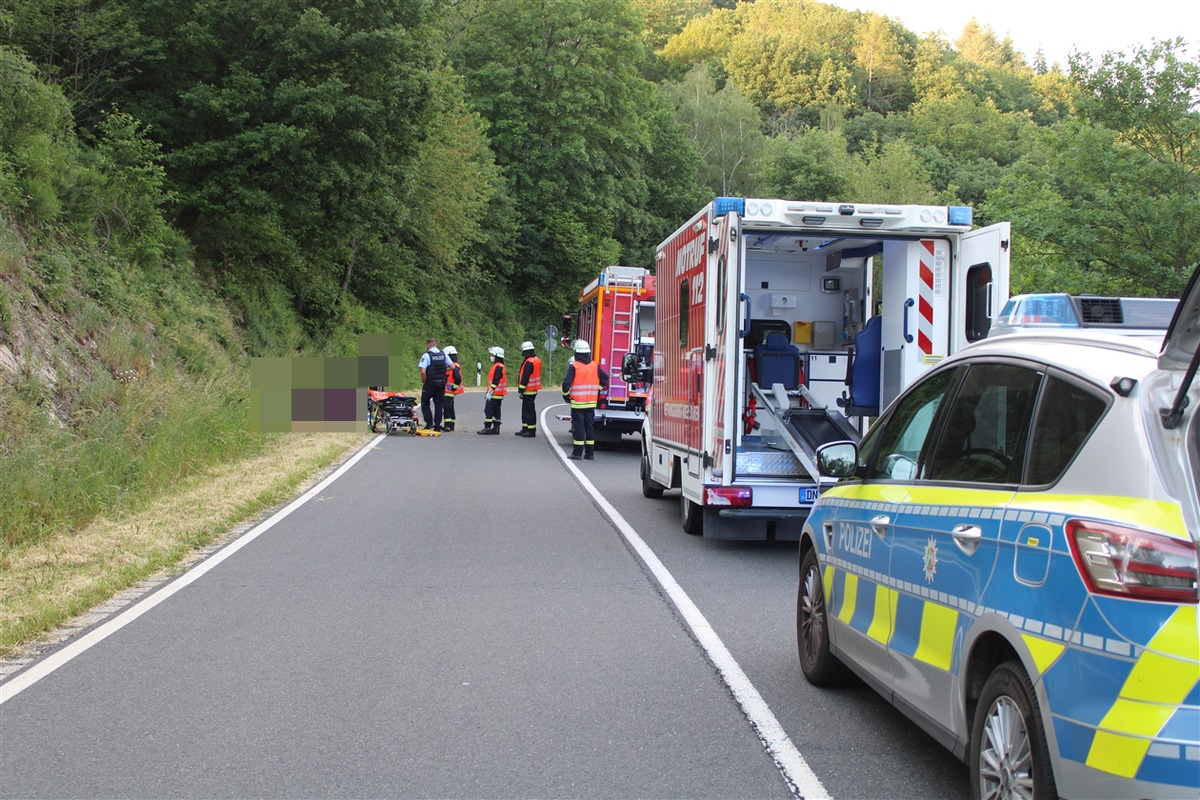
(1127, 562)
(728, 496)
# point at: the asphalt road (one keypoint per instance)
(458, 617)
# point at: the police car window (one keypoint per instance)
(983, 439)
(903, 437)
(1066, 417)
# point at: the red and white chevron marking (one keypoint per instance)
(925, 300)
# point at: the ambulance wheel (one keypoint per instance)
(1009, 756)
(691, 515)
(820, 666)
(650, 488)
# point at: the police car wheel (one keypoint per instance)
(819, 665)
(650, 488)
(691, 515)
(1009, 755)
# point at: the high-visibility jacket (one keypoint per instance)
(530, 382)
(585, 385)
(454, 384)
(497, 381)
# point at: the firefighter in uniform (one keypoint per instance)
(497, 388)
(433, 384)
(581, 388)
(529, 381)
(454, 387)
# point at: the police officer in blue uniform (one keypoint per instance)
(433, 384)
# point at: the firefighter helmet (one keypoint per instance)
(497, 352)
(451, 350)
(582, 347)
(526, 346)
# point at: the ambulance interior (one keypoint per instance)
(812, 357)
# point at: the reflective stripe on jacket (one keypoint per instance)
(497, 381)
(534, 381)
(585, 387)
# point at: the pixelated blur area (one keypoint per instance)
(321, 394)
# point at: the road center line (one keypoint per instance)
(42, 668)
(793, 766)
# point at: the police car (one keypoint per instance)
(1011, 559)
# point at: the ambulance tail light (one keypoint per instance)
(1127, 562)
(728, 496)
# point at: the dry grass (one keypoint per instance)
(45, 584)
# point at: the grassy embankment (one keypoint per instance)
(125, 442)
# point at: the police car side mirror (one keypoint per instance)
(838, 460)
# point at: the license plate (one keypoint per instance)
(808, 494)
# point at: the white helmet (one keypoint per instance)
(582, 347)
(526, 346)
(451, 350)
(498, 352)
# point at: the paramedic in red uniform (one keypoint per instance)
(581, 388)
(433, 384)
(454, 387)
(497, 388)
(529, 381)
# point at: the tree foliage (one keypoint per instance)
(725, 128)
(569, 124)
(372, 161)
(1111, 200)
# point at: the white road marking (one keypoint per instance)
(41, 669)
(793, 766)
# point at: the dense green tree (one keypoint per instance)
(893, 175)
(569, 122)
(1110, 202)
(89, 48)
(978, 44)
(655, 205)
(662, 19)
(1150, 99)
(813, 165)
(703, 39)
(36, 140)
(287, 130)
(725, 127)
(965, 127)
(1093, 214)
(879, 56)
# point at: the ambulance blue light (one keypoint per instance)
(723, 205)
(959, 215)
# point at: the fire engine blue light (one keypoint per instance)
(723, 205)
(959, 215)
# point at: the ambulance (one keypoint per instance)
(616, 317)
(786, 325)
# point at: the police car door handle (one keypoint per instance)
(967, 537)
(880, 524)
